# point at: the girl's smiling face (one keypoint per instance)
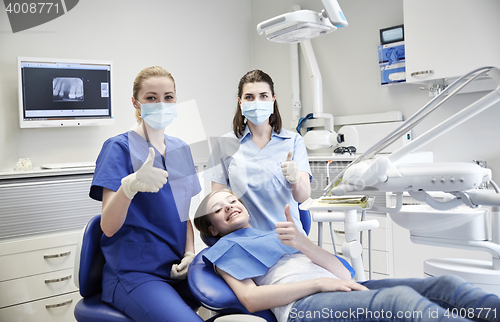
(226, 214)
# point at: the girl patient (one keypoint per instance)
(286, 272)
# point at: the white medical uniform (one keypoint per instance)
(255, 175)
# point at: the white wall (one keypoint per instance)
(205, 49)
(208, 46)
(349, 65)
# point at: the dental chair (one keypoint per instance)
(213, 292)
(89, 262)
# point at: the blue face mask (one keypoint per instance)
(158, 115)
(257, 112)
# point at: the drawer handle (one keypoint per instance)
(53, 306)
(423, 72)
(341, 232)
(57, 255)
(340, 253)
(56, 280)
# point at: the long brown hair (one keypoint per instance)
(255, 76)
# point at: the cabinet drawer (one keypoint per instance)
(37, 262)
(376, 276)
(379, 236)
(54, 309)
(380, 261)
(378, 239)
(36, 287)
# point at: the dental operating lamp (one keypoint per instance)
(293, 27)
(300, 26)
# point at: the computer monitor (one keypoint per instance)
(64, 92)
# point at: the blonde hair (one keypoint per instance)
(146, 73)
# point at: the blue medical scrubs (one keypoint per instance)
(255, 175)
(153, 236)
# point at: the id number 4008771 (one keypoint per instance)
(32, 8)
(486, 313)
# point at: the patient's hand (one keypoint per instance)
(288, 232)
(336, 285)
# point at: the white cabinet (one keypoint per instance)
(36, 278)
(448, 38)
(54, 309)
(42, 214)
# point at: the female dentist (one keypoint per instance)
(259, 160)
(145, 180)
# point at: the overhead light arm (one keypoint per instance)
(300, 26)
(335, 14)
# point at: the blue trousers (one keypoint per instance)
(157, 301)
(432, 299)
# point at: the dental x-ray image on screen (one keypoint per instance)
(56, 92)
(67, 89)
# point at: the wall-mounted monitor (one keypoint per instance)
(64, 92)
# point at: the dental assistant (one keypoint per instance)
(145, 180)
(259, 160)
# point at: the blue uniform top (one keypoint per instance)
(153, 236)
(255, 175)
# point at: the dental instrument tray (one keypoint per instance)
(351, 202)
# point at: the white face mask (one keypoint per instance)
(257, 111)
(158, 115)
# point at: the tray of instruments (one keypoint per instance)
(338, 203)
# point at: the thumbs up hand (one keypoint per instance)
(288, 232)
(290, 170)
(146, 179)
